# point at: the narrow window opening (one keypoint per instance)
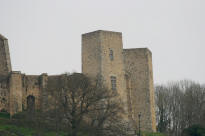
(113, 83)
(111, 55)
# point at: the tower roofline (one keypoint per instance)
(133, 49)
(101, 31)
(3, 37)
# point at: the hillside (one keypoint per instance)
(15, 127)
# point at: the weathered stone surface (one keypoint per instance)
(15, 91)
(5, 62)
(96, 60)
(138, 67)
(132, 69)
(126, 71)
(4, 92)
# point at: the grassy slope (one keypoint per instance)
(152, 134)
(8, 129)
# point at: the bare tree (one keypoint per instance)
(85, 102)
(179, 105)
(162, 108)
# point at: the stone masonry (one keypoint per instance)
(103, 55)
(128, 72)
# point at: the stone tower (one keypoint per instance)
(139, 75)
(127, 71)
(13, 87)
(5, 62)
(102, 56)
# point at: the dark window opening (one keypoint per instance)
(111, 55)
(30, 103)
(113, 83)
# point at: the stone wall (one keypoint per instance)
(102, 57)
(4, 92)
(42, 87)
(31, 87)
(112, 66)
(15, 93)
(50, 95)
(138, 68)
(132, 69)
(5, 63)
(97, 62)
(91, 54)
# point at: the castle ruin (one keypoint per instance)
(126, 71)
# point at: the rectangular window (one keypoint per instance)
(113, 83)
(111, 55)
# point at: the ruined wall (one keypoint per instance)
(16, 87)
(15, 92)
(138, 68)
(31, 87)
(102, 56)
(4, 93)
(5, 63)
(42, 87)
(51, 94)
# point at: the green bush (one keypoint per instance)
(12, 130)
(194, 130)
(152, 134)
(54, 134)
(19, 115)
(6, 133)
(16, 130)
(4, 115)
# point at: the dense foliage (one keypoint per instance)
(194, 130)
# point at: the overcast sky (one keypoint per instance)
(45, 35)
